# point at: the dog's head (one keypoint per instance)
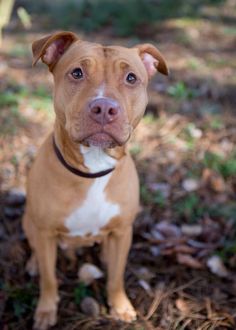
(100, 91)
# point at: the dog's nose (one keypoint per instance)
(104, 110)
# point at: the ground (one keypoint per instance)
(182, 265)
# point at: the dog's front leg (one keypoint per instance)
(46, 251)
(118, 245)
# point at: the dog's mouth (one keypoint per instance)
(103, 137)
(102, 140)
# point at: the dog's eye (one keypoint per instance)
(131, 78)
(77, 73)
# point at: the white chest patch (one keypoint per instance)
(96, 159)
(95, 212)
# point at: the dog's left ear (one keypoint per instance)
(52, 47)
(152, 59)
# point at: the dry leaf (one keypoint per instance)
(187, 260)
(162, 187)
(183, 248)
(89, 306)
(143, 273)
(157, 235)
(214, 180)
(88, 273)
(217, 183)
(168, 229)
(145, 285)
(182, 305)
(155, 250)
(191, 230)
(216, 266)
(190, 184)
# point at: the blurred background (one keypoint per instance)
(182, 266)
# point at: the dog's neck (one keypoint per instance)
(86, 159)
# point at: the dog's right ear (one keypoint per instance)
(52, 47)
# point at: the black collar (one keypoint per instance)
(75, 170)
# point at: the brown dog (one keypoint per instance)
(83, 187)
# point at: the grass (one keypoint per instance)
(225, 167)
(148, 197)
(8, 99)
(180, 91)
(80, 292)
(135, 149)
(13, 102)
(228, 251)
(20, 51)
(124, 18)
(10, 120)
(149, 119)
(223, 211)
(21, 300)
(194, 63)
(216, 123)
(189, 208)
(190, 134)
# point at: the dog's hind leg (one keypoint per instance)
(32, 263)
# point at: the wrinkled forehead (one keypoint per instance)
(92, 53)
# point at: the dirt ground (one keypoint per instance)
(182, 265)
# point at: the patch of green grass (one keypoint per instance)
(194, 63)
(148, 197)
(225, 167)
(219, 63)
(194, 172)
(42, 104)
(123, 18)
(183, 39)
(210, 109)
(181, 92)
(192, 208)
(224, 211)
(10, 120)
(21, 300)
(230, 31)
(216, 123)
(228, 250)
(149, 119)
(189, 207)
(39, 98)
(186, 22)
(42, 91)
(159, 199)
(228, 168)
(8, 99)
(190, 134)
(135, 149)
(80, 292)
(16, 95)
(19, 50)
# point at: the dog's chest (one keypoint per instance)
(95, 212)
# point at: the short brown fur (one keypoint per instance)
(53, 192)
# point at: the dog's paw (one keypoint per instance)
(45, 316)
(32, 266)
(122, 309)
